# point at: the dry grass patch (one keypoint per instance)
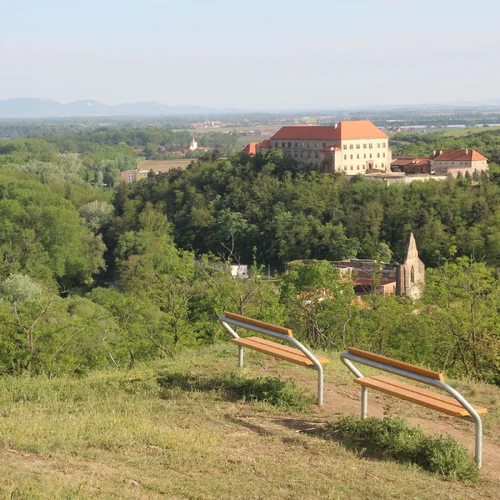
(118, 435)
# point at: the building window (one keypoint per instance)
(364, 146)
(282, 144)
(383, 154)
(357, 156)
(358, 146)
(364, 156)
(324, 145)
(370, 155)
(289, 144)
(358, 167)
(351, 147)
(378, 155)
(308, 144)
(317, 145)
(351, 157)
(345, 146)
(345, 157)
(301, 144)
(317, 155)
(371, 145)
(345, 168)
(351, 167)
(295, 144)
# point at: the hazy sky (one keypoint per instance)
(259, 54)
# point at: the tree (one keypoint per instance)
(97, 214)
(321, 305)
(463, 300)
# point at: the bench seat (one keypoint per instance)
(416, 395)
(277, 350)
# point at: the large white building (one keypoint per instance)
(351, 147)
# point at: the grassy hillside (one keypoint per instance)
(168, 429)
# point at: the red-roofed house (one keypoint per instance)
(411, 165)
(458, 162)
(251, 148)
(351, 147)
(262, 146)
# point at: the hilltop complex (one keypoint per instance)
(359, 147)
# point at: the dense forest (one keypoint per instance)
(97, 273)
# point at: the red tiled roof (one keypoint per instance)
(409, 161)
(460, 155)
(266, 144)
(251, 148)
(361, 129)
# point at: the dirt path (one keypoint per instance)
(345, 401)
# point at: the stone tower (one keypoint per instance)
(410, 275)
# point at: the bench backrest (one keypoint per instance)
(396, 364)
(249, 322)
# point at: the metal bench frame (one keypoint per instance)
(347, 358)
(317, 365)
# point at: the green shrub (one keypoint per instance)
(393, 438)
(279, 392)
(446, 457)
(282, 393)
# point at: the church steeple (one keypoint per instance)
(412, 252)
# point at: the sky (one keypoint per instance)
(264, 54)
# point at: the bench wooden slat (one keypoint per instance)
(418, 390)
(260, 324)
(287, 349)
(396, 364)
(277, 350)
(415, 395)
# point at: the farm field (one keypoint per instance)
(469, 131)
(163, 165)
(166, 429)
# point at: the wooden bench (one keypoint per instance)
(456, 406)
(299, 355)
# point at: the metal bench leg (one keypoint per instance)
(364, 402)
(240, 356)
(319, 369)
(479, 443)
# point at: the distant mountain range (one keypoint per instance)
(24, 107)
(46, 108)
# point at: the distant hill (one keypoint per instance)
(46, 108)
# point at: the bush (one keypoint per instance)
(275, 391)
(284, 394)
(393, 438)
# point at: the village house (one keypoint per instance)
(251, 148)
(131, 176)
(351, 147)
(458, 163)
(453, 162)
(411, 165)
